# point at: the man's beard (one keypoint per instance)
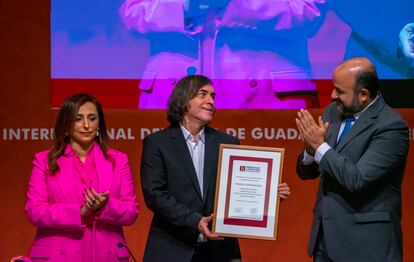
(349, 110)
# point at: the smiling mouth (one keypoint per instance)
(209, 109)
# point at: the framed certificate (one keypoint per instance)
(247, 202)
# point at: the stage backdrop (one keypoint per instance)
(26, 119)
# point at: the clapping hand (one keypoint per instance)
(93, 200)
(312, 132)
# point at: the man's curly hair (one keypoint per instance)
(186, 89)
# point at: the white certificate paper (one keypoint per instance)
(248, 188)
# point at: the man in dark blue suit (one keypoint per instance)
(358, 149)
(178, 175)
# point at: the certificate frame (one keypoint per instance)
(246, 200)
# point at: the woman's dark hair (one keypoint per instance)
(64, 124)
(186, 89)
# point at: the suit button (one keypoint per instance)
(252, 82)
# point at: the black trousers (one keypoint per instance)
(217, 251)
(320, 254)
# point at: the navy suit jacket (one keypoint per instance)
(359, 198)
(171, 190)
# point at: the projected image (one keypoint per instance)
(273, 54)
(382, 31)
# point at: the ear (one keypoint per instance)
(364, 95)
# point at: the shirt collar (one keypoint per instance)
(357, 115)
(187, 134)
(70, 152)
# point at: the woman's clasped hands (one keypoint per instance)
(93, 201)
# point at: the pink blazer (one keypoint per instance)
(54, 201)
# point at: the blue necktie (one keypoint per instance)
(348, 124)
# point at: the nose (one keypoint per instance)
(86, 123)
(210, 99)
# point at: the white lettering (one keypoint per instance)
(257, 133)
(48, 134)
(240, 132)
(269, 133)
(231, 131)
(35, 133)
(145, 132)
(275, 134)
(44, 132)
(130, 135)
(14, 134)
(281, 134)
(120, 134)
(26, 133)
(292, 133)
(111, 133)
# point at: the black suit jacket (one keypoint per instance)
(359, 198)
(171, 190)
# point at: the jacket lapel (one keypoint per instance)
(68, 182)
(104, 169)
(184, 156)
(333, 130)
(364, 121)
(209, 160)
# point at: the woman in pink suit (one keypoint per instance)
(80, 192)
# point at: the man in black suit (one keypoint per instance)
(358, 149)
(178, 175)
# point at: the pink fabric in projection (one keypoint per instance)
(260, 54)
(256, 51)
